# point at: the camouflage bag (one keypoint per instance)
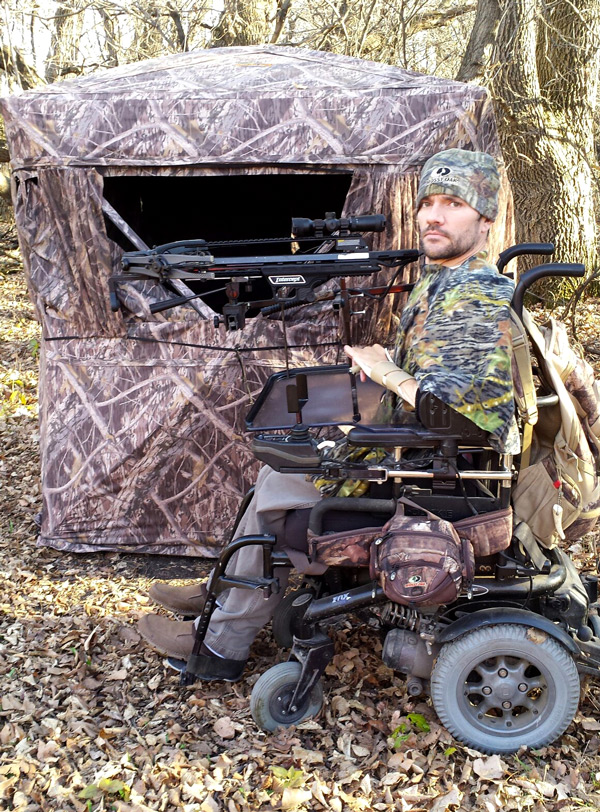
(348, 548)
(489, 533)
(421, 561)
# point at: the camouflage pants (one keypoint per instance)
(244, 612)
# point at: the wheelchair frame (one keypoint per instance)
(529, 587)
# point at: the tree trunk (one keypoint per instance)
(543, 76)
(244, 22)
(477, 56)
(148, 41)
(14, 65)
(64, 57)
(111, 37)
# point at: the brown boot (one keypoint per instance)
(175, 638)
(186, 600)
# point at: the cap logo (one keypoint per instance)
(441, 172)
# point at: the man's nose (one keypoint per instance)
(434, 213)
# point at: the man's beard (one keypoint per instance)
(451, 247)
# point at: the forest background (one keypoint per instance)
(90, 719)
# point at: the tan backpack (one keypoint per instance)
(558, 488)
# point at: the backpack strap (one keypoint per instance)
(525, 396)
(522, 533)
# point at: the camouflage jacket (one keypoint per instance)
(454, 337)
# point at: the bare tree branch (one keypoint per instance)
(282, 13)
(14, 64)
(176, 17)
(427, 20)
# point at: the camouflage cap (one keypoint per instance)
(472, 176)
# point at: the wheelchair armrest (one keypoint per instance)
(348, 505)
(435, 422)
(401, 436)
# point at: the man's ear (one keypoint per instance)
(486, 224)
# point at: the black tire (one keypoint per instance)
(271, 692)
(288, 617)
(500, 687)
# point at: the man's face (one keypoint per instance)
(450, 229)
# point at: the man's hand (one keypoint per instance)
(390, 376)
(366, 358)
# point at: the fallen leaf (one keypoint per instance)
(294, 797)
(90, 792)
(492, 768)
(340, 705)
(536, 636)
(445, 802)
(46, 750)
(154, 682)
(210, 805)
(360, 751)
(118, 675)
(224, 728)
(308, 756)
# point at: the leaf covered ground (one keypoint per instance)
(91, 718)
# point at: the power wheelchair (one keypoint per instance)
(503, 663)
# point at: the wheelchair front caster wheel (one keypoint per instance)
(271, 695)
(288, 617)
(500, 687)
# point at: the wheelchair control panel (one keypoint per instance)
(293, 418)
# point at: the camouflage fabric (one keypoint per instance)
(347, 549)
(565, 449)
(420, 560)
(472, 176)
(455, 338)
(488, 533)
(247, 105)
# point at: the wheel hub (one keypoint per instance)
(279, 705)
(505, 693)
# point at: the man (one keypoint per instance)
(453, 341)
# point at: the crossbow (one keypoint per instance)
(293, 278)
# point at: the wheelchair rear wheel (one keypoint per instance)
(500, 687)
(272, 693)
